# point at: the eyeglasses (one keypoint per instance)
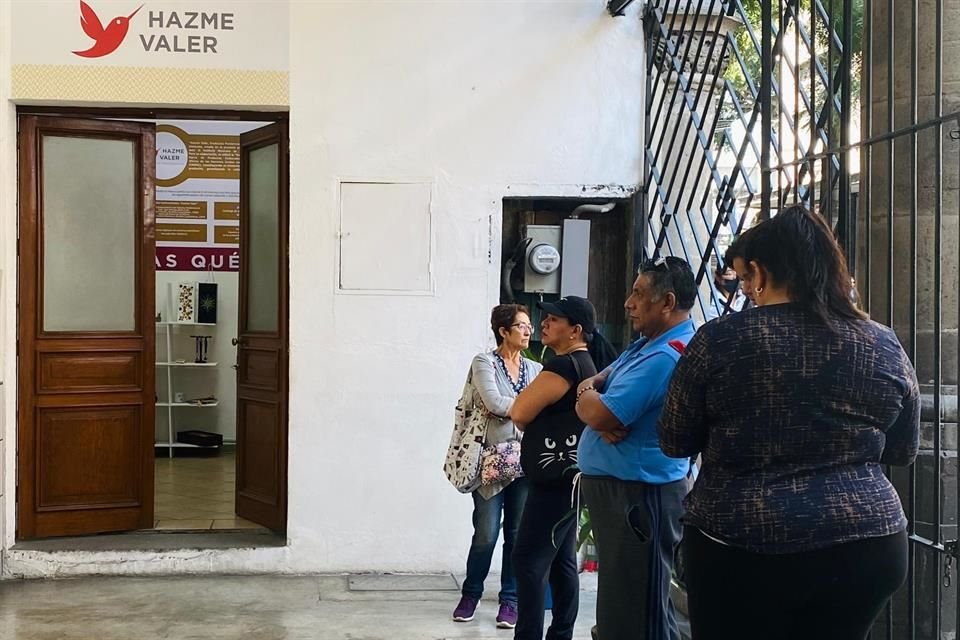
(654, 265)
(661, 264)
(523, 325)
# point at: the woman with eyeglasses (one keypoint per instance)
(498, 376)
(793, 530)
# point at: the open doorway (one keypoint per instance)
(197, 301)
(152, 323)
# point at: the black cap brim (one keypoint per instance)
(552, 309)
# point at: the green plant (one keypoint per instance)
(584, 528)
(585, 533)
(530, 354)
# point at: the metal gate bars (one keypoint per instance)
(852, 108)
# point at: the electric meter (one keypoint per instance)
(544, 259)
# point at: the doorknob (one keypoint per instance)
(236, 341)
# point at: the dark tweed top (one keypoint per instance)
(793, 422)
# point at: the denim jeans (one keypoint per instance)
(486, 531)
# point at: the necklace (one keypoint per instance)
(521, 382)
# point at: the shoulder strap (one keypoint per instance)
(576, 367)
(467, 395)
(677, 346)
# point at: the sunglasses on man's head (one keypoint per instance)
(655, 265)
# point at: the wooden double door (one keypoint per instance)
(86, 328)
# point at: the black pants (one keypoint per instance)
(637, 530)
(544, 552)
(828, 594)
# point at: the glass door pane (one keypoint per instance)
(264, 240)
(88, 220)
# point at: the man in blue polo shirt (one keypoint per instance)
(634, 491)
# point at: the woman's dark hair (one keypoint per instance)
(800, 253)
(739, 248)
(503, 316)
(601, 351)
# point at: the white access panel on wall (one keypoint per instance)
(385, 238)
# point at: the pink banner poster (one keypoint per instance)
(198, 259)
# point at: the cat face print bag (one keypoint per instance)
(549, 451)
(549, 455)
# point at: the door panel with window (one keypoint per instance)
(262, 338)
(86, 330)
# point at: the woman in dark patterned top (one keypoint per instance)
(792, 529)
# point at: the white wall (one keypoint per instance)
(220, 381)
(8, 276)
(484, 101)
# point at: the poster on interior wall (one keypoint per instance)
(207, 302)
(186, 306)
(198, 195)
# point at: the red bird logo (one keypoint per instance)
(106, 40)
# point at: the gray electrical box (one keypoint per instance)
(576, 258)
(541, 273)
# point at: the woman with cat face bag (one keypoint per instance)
(545, 548)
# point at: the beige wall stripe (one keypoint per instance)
(215, 87)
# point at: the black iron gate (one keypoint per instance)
(852, 108)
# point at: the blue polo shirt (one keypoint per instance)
(634, 392)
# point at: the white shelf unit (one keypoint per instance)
(186, 364)
(169, 365)
(188, 404)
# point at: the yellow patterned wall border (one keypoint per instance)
(159, 86)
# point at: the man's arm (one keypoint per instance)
(596, 382)
(631, 394)
(589, 390)
(597, 417)
(594, 413)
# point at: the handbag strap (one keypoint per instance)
(469, 394)
(576, 367)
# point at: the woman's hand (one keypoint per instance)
(490, 414)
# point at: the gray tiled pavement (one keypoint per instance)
(248, 607)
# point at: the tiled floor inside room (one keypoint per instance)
(197, 493)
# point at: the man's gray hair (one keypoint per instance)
(671, 274)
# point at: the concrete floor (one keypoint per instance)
(250, 607)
